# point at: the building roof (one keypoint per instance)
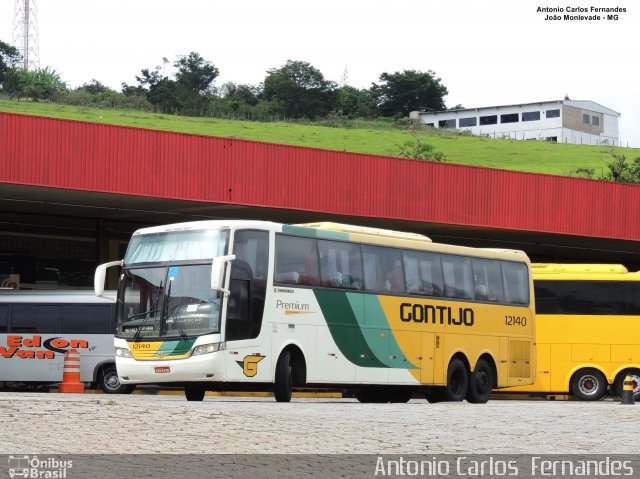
(582, 104)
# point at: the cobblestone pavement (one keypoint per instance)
(33, 423)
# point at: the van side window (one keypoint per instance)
(87, 319)
(3, 319)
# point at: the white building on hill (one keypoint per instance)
(567, 121)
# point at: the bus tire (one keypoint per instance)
(284, 378)
(480, 383)
(194, 392)
(400, 395)
(435, 394)
(588, 384)
(457, 381)
(635, 378)
(110, 383)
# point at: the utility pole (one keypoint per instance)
(25, 33)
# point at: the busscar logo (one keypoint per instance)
(31, 348)
(250, 364)
(49, 468)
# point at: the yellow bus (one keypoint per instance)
(265, 306)
(588, 329)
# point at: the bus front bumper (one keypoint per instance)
(206, 367)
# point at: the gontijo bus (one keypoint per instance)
(260, 305)
(588, 319)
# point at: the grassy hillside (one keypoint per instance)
(367, 137)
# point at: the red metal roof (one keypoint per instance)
(94, 157)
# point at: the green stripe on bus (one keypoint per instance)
(315, 233)
(388, 349)
(175, 348)
(344, 328)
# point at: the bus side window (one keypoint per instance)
(3, 319)
(487, 280)
(296, 261)
(632, 299)
(457, 277)
(516, 282)
(340, 265)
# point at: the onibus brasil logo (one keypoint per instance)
(34, 467)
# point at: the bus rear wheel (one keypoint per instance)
(480, 383)
(194, 392)
(457, 381)
(284, 378)
(635, 380)
(588, 384)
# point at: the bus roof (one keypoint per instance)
(80, 296)
(582, 271)
(364, 230)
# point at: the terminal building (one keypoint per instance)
(565, 121)
(72, 193)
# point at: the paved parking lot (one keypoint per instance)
(34, 423)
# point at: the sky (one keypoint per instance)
(486, 52)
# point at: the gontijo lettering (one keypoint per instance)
(427, 313)
(16, 347)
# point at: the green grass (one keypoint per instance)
(369, 137)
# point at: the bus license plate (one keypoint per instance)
(162, 369)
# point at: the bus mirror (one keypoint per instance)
(101, 273)
(217, 272)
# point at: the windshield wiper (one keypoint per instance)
(176, 322)
(154, 309)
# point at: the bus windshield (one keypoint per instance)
(167, 302)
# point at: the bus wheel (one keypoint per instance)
(457, 381)
(588, 384)
(435, 394)
(480, 383)
(284, 378)
(400, 395)
(635, 379)
(110, 384)
(194, 392)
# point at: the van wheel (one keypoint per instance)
(194, 392)
(480, 383)
(284, 378)
(110, 384)
(588, 384)
(635, 379)
(457, 381)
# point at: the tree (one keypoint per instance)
(299, 89)
(400, 93)
(41, 84)
(9, 59)
(354, 103)
(195, 74)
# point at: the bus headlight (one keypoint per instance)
(206, 349)
(123, 353)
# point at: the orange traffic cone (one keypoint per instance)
(71, 373)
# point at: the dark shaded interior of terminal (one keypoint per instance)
(54, 238)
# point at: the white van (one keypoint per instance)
(38, 327)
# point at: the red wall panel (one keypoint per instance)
(94, 157)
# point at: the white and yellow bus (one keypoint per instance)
(588, 329)
(265, 306)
